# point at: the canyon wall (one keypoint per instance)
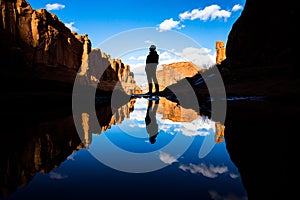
(35, 44)
(261, 35)
(39, 51)
(260, 61)
(101, 71)
(174, 72)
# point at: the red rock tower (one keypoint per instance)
(220, 49)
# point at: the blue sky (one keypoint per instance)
(204, 22)
(102, 19)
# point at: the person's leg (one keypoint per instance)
(149, 79)
(156, 84)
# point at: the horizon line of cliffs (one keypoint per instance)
(36, 45)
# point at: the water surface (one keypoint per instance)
(186, 159)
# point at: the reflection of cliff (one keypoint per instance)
(106, 117)
(175, 112)
(34, 146)
(220, 131)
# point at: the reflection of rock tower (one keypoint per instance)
(220, 129)
(85, 126)
(220, 49)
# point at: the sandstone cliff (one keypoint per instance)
(39, 51)
(107, 74)
(174, 72)
(35, 44)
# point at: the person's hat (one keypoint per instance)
(152, 47)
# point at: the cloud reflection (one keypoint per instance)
(167, 158)
(210, 171)
(57, 176)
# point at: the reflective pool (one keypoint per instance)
(146, 149)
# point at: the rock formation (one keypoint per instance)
(260, 62)
(35, 44)
(174, 72)
(39, 50)
(101, 71)
(220, 51)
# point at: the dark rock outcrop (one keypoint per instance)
(259, 62)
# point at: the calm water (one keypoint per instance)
(185, 160)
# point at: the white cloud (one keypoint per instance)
(169, 24)
(210, 12)
(55, 6)
(236, 7)
(210, 172)
(167, 158)
(71, 26)
(199, 56)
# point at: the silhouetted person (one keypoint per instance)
(150, 119)
(151, 66)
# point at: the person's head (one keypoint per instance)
(152, 47)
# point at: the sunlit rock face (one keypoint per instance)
(38, 45)
(174, 72)
(101, 71)
(220, 52)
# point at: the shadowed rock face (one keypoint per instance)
(260, 63)
(261, 35)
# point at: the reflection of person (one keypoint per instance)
(151, 66)
(150, 119)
